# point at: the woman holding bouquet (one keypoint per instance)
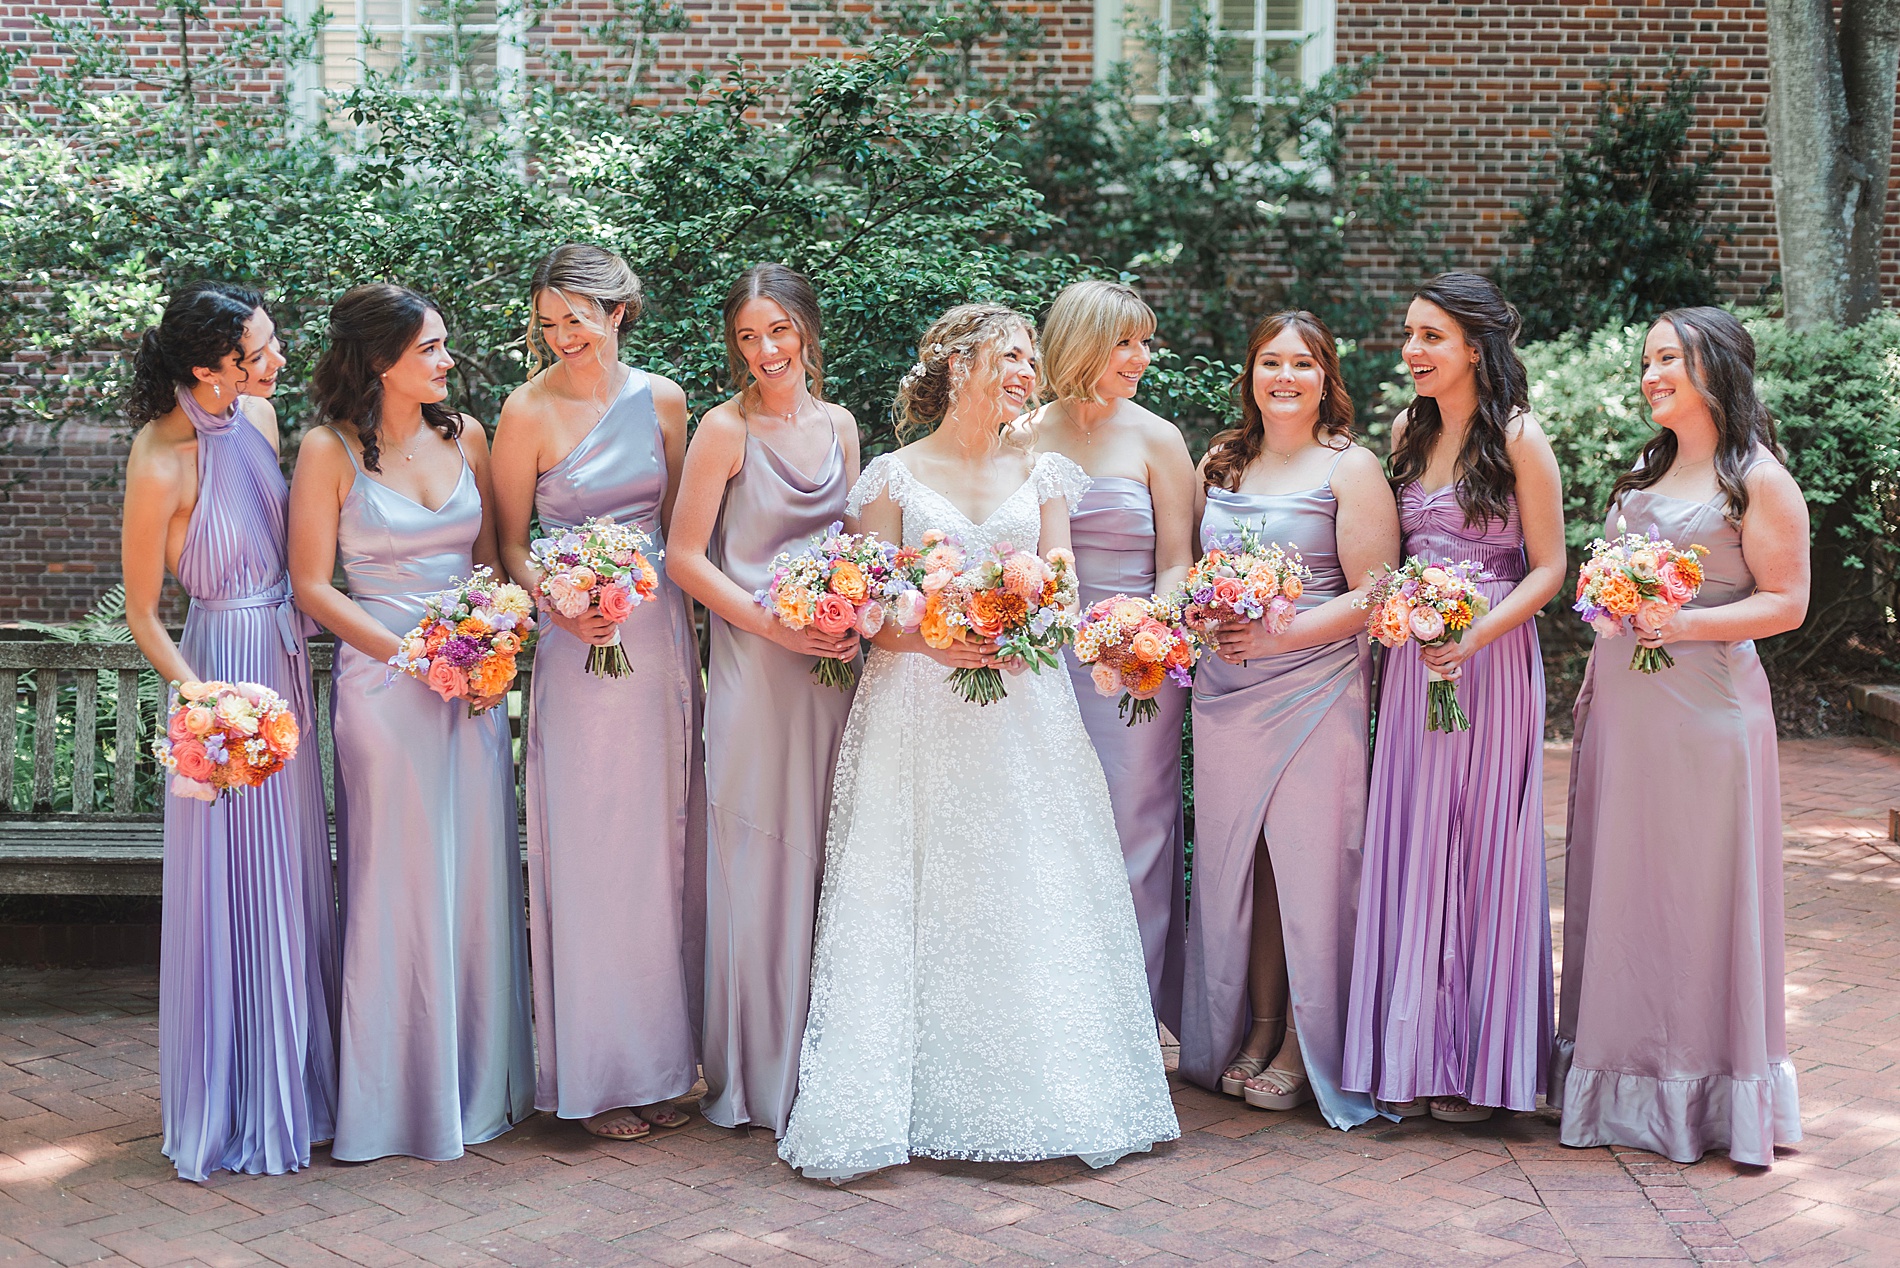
(616, 793)
(978, 989)
(1451, 965)
(435, 1046)
(247, 981)
(1670, 1035)
(1280, 730)
(1134, 535)
(767, 471)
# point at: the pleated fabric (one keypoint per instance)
(248, 967)
(1671, 1033)
(1451, 991)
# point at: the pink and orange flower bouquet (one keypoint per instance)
(465, 646)
(1134, 646)
(840, 582)
(1431, 604)
(1638, 580)
(1024, 602)
(599, 564)
(225, 737)
(1241, 579)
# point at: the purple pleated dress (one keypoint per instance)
(247, 995)
(616, 809)
(1451, 992)
(1113, 532)
(1671, 1036)
(1280, 753)
(772, 735)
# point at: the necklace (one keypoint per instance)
(410, 455)
(1284, 458)
(790, 416)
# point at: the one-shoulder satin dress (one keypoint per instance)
(247, 991)
(772, 735)
(1280, 756)
(1113, 532)
(616, 809)
(436, 1051)
(1672, 1033)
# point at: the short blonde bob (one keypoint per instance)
(1080, 333)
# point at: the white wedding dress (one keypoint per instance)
(978, 989)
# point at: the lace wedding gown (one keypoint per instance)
(978, 989)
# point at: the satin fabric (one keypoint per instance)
(1280, 757)
(1451, 990)
(1113, 533)
(772, 733)
(1671, 1034)
(616, 804)
(436, 1052)
(247, 993)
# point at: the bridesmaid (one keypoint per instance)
(1670, 1036)
(1134, 534)
(767, 471)
(435, 1046)
(1451, 964)
(1280, 728)
(616, 798)
(247, 980)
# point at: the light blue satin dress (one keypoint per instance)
(616, 809)
(1113, 532)
(436, 1052)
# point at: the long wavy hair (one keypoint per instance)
(1720, 356)
(371, 327)
(203, 324)
(791, 291)
(1234, 450)
(1484, 474)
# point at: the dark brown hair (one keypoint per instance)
(1720, 355)
(371, 327)
(792, 292)
(203, 324)
(1484, 474)
(1234, 450)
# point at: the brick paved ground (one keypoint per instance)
(81, 1177)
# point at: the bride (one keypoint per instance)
(978, 989)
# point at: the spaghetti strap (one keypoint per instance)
(351, 453)
(1344, 450)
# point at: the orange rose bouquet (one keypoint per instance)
(843, 581)
(1134, 646)
(1240, 579)
(465, 646)
(1024, 602)
(602, 565)
(224, 737)
(1637, 580)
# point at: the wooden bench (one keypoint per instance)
(111, 839)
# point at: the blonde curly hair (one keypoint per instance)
(972, 335)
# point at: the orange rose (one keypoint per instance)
(994, 611)
(193, 762)
(1292, 587)
(280, 732)
(1149, 647)
(649, 583)
(1620, 595)
(492, 676)
(847, 582)
(506, 642)
(936, 627)
(1180, 655)
(433, 639)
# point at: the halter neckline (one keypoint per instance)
(203, 421)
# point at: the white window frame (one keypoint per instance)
(1318, 19)
(307, 78)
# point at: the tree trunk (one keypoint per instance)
(1830, 137)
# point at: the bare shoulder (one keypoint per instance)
(665, 391)
(1399, 425)
(1771, 479)
(1159, 434)
(1359, 464)
(524, 401)
(723, 424)
(152, 466)
(1527, 438)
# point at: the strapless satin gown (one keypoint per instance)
(1113, 532)
(616, 809)
(1672, 1034)
(772, 733)
(436, 1052)
(247, 991)
(1280, 756)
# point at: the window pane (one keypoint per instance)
(1236, 15)
(1284, 15)
(1284, 59)
(378, 15)
(1236, 65)
(1141, 66)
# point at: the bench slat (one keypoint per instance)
(85, 736)
(9, 711)
(45, 734)
(125, 743)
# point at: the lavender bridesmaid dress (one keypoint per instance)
(616, 810)
(1451, 965)
(436, 1051)
(1280, 753)
(1671, 1036)
(1114, 537)
(772, 733)
(247, 992)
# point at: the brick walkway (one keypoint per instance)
(82, 1180)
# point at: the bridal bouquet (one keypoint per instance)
(1639, 580)
(1432, 604)
(465, 645)
(1242, 580)
(840, 582)
(1135, 645)
(599, 564)
(225, 737)
(1012, 596)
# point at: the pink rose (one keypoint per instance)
(1606, 625)
(1227, 592)
(446, 680)
(195, 691)
(176, 728)
(907, 609)
(254, 692)
(616, 601)
(870, 618)
(1676, 588)
(1279, 614)
(1652, 614)
(1108, 682)
(935, 581)
(193, 761)
(834, 614)
(568, 599)
(1427, 625)
(195, 789)
(199, 720)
